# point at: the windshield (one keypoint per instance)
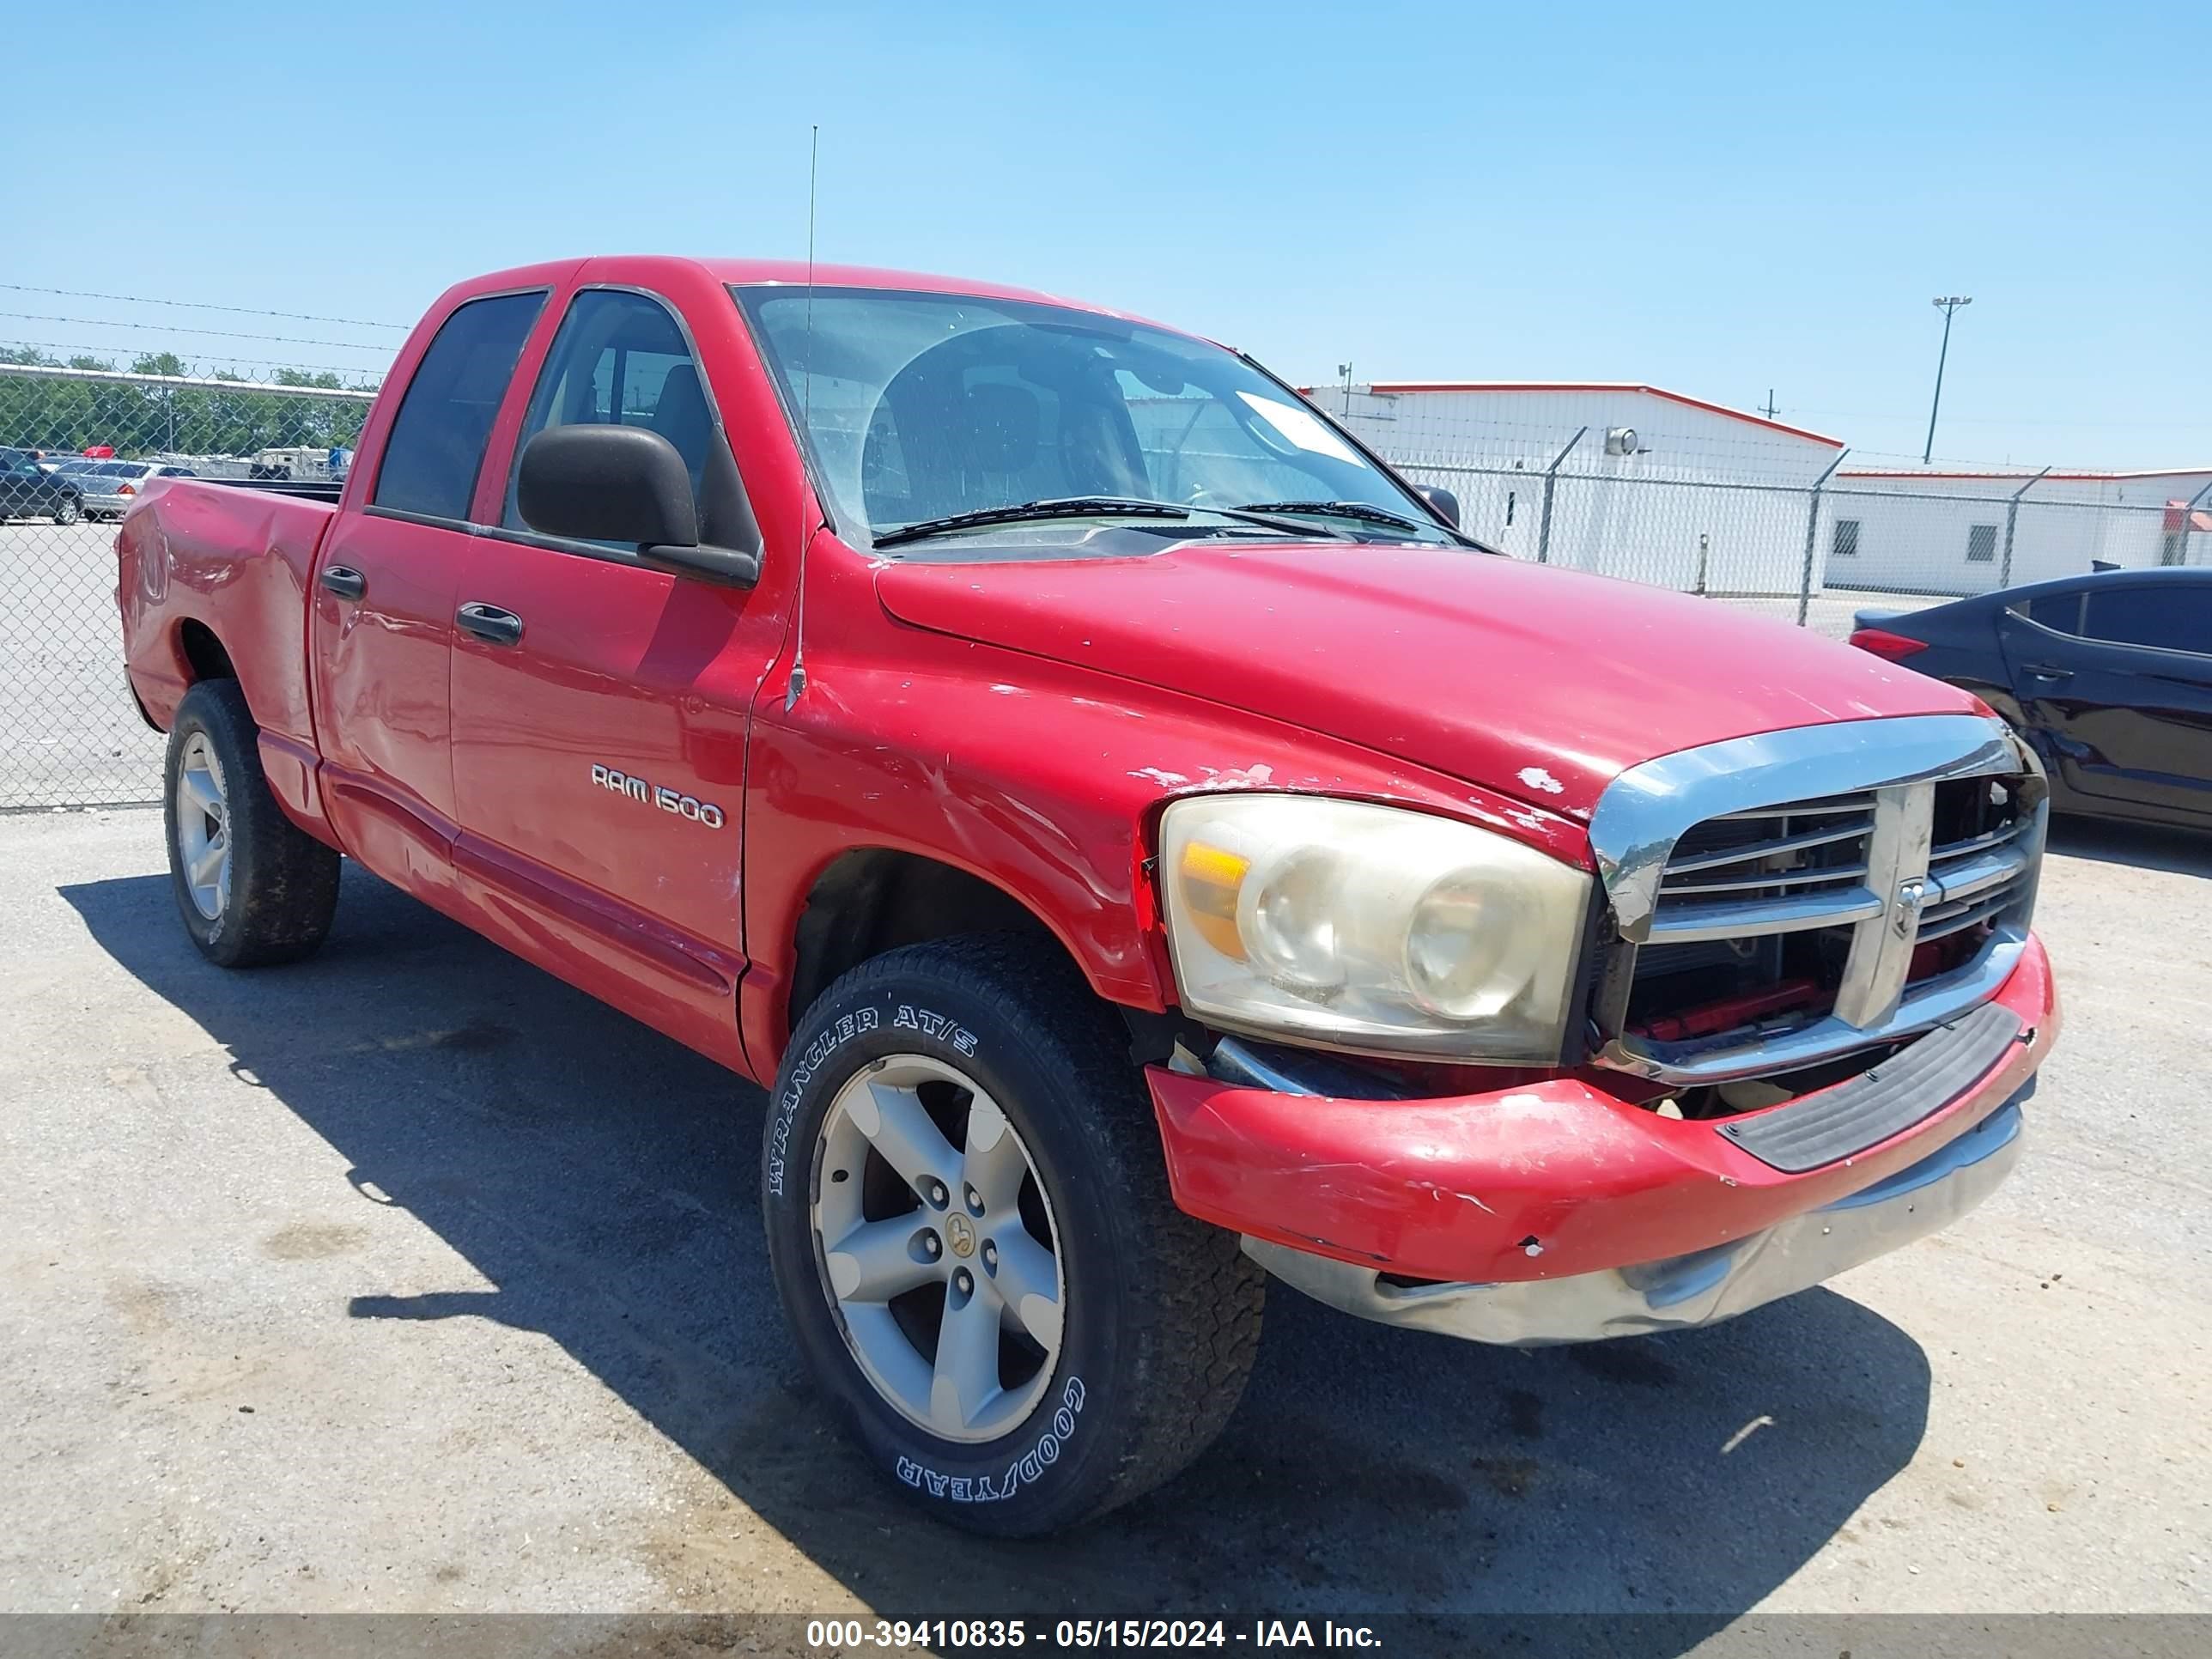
(922, 407)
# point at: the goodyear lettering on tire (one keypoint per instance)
(1021, 1471)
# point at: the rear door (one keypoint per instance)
(599, 706)
(2116, 677)
(381, 628)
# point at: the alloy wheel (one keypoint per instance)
(938, 1248)
(204, 826)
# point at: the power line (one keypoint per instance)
(176, 328)
(199, 305)
(258, 362)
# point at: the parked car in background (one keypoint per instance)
(27, 490)
(2108, 676)
(111, 487)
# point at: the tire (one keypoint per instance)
(253, 888)
(67, 512)
(1133, 1367)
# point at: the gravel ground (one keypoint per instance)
(409, 1279)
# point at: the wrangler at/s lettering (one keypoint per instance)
(1099, 966)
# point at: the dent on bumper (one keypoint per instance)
(1547, 1182)
(1697, 1289)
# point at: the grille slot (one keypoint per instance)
(1976, 877)
(1771, 869)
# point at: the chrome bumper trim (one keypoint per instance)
(1698, 1289)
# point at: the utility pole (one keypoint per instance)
(1769, 411)
(1946, 303)
(1344, 373)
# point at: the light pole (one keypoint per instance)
(1344, 370)
(1948, 303)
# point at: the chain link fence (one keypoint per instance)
(77, 443)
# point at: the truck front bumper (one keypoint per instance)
(1697, 1289)
(1556, 1212)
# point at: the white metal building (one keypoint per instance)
(1968, 533)
(1641, 481)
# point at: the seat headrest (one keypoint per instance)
(682, 416)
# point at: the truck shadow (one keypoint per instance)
(2145, 846)
(603, 1180)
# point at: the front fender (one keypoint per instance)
(1044, 781)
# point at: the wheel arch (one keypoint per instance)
(201, 654)
(864, 901)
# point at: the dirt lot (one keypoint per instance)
(411, 1279)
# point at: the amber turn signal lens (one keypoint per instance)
(1211, 877)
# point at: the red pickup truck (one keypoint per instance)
(1140, 843)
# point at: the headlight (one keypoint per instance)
(1369, 927)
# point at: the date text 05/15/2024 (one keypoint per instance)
(951, 1634)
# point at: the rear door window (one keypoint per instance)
(2164, 617)
(437, 440)
(2060, 612)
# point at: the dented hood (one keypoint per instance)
(1538, 682)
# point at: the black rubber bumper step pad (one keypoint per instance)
(1914, 1082)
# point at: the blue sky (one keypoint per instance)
(1719, 199)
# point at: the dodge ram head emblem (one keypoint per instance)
(960, 1234)
(1905, 909)
(668, 800)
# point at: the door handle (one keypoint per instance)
(344, 581)
(2049, 670)
(490, 624)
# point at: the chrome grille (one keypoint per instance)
(1807, 911)
(1769, 870)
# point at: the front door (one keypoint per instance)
(2116, 677)
(381, 611)
(599, 711)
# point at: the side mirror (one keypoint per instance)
(622, 483)
(1445, 503)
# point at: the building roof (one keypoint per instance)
(1398, 388)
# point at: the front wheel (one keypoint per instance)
(970, 1229)
(66, 513)
(253, 888)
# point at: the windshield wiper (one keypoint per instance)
(1360, 510)
(1070, 507)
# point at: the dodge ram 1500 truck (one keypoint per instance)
(1140, 842)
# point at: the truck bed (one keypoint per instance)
(237, 562)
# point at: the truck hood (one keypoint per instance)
(1540, 683)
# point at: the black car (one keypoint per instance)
(29, 491)
(2109, 675)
